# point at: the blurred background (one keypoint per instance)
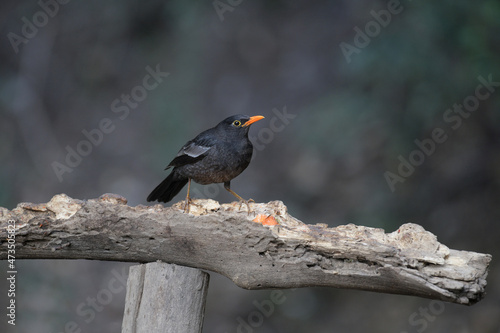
(98, 97)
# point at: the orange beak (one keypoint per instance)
(252, 120)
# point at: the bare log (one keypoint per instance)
(165, 298)
(223, 239)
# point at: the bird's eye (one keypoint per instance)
(237, 123)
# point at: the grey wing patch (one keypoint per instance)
(193, 150)
(190, 153)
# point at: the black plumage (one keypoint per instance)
(216, 155)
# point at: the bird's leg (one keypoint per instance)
(227, 186)
(188, 199)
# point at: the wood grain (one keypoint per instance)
(223, 239)
(165, 298)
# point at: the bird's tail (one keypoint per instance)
(167, 188)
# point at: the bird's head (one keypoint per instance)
(238, 124)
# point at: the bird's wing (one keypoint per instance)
(192, 151)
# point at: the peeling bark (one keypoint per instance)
(223, 239)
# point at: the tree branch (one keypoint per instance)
(223, 239)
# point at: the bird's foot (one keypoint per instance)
(188, 203)
(247, 202)
(186, 206)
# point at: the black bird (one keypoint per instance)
(216, 155)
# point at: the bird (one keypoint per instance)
(216, 155)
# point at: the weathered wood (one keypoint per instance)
(223, 239)
(165, 298)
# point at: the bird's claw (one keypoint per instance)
(189, 202)
(186, 206)
(247, 202)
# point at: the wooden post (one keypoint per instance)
(165, 298)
